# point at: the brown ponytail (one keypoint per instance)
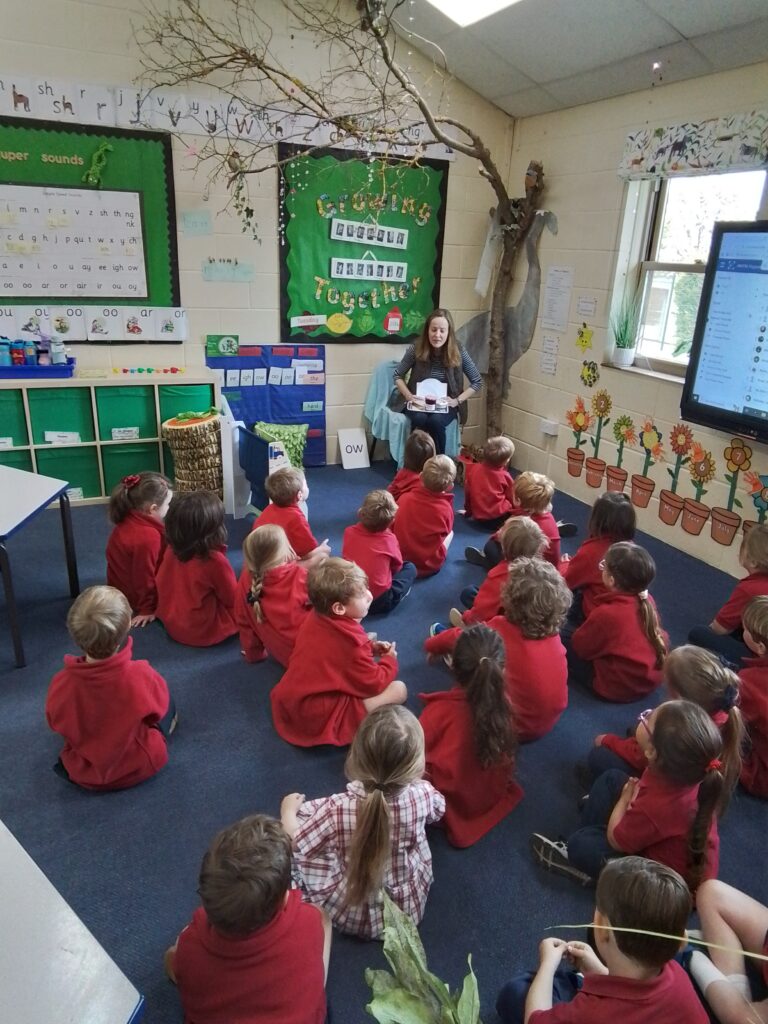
(387, 754)
(137, 492)
(478, 664)
(649, 619)
(633, 570)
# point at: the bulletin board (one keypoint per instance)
(361, 245)
(87, 214)
(277, 384)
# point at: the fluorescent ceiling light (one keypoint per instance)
(467, 12)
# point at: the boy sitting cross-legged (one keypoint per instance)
(286, 488)
(372, 545)
(424, 521)
(633, 977)
(489, 490)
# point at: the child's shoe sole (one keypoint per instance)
(553, 856)
(476, 557)
(456, 619)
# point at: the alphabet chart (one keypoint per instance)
(65, 243)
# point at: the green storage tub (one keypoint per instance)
(61, 409)
(12, 422)
(79, 466)
(176, 398)
(126, 406)
(16, 460)
(119, 460)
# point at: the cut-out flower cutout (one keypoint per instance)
(579, 419)
(738, 458)
(758, 489)
(623, 433)
(590, 374)
(601, 407)
(650, 442)
(680, 441)
(701, 468)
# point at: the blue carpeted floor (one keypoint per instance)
(127, 862)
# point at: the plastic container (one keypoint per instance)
(38, 372)
(5, 352)
(61, 410)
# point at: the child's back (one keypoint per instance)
(489, 490)
(137, 507)
(284, 604)
(753, 697)
(419, 447)
(612, 519)
(424, 520)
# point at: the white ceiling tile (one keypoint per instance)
(482, 69)
(631, 75)
(528, 102)
(697, 18)
(427, 20)
(735, 47)
(552, 39)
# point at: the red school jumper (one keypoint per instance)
(423, 521)
(272, 976)
(623, 659)
(489, 491)
(284, 605)
(377, 552)
(487, 606)
(134, 551)
(583, 571)
(657, 822)
(537, 679)
(105, 711)
(669, 998)
(476, 798)
(753, 701)
(196, 599)
(331, 672)
(630, 750)
(405, 480)
(754, 585)
(295, 524)
(548, 525)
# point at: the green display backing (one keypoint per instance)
(12, 422)
(129, 406)
(120, 460)
(354, 189)
(58, 409)
(79, 466)
(140, 162)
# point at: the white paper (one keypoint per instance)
(104, 323)
(8, 322)
(7, 442)
(75, 493)
(138, 323)
(246, 378)
(288, 374)
(32, 321)
(61, 437)
(260, 377)
(586, 306)
(125, 433)
(431, 386)
(354, 448)
(275, 375)
(310, 378)
(307, 365)
(170, 323)
(233, 378)
(550, 350)
(557, 298)
(219, 375)
(68, 322)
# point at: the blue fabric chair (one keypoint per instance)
(393, 427)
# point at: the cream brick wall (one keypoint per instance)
(91, 40)
(580, 149)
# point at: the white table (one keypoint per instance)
(52, 970)
(22, 496)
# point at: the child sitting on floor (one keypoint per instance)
(272, 598)
(286, 488)
(349, 847)
(489, 490)
(138, 506)
(724, 634)
(337, 674)
(533, 493)
(669, 814)
(753, 692)
(196, 585)
(419, 447)
(114, 714)
(619, 649)
(641, 908)
(241, 954)
(424, 521)
(470, 740)
(372, 545)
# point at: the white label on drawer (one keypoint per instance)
(6, 442)
(61, 437)
(125, 433)
(75, 493)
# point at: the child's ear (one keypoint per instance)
(338, 608)
(602, 932)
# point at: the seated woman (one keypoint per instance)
(439, 355)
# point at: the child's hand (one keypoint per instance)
(325, 548)
(598, 740)
(382, 647)
(565, 558)
(585, 959)
(291, 803)
(629, 792)
(552, 951)
(142, 620)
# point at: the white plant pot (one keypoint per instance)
(623, 356)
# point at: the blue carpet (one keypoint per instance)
(127, 862)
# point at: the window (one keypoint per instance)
(674, 248)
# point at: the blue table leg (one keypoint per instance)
(10, 601)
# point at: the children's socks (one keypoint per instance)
(705, 973)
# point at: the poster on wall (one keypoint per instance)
(361, 245)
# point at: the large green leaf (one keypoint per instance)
(400, 1007)
(468, 1006)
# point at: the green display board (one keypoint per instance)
(110, 202)
(361, 245)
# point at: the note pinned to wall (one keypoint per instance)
(196, 223)
(557, 298)
(550, 350)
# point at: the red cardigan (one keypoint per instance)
(284, 605)
(331, 672)
(105, 711)
(753, 700)
(622, 656)
(583, 571)
(476, 798)
(489, 491)
(487, 606)
(754, 585)
(630, 750)
(423, 521)
(196, 599)
(377, 552)
(537, 679)
(548, 525)
(405, 480)
(134, 551)
(295, 524)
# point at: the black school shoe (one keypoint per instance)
(552, 855)
(567, 529)
(476, 557)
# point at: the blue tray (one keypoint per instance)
(39, 372)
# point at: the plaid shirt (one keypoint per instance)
(321, 850)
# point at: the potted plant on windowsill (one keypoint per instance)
(624, 323)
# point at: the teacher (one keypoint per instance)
(439, 355)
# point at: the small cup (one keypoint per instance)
(442, 404)
(430, 402)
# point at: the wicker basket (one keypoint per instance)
(195, 443)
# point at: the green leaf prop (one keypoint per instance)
(412, 994)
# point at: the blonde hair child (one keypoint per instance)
(350, 846)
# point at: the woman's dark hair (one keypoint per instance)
(478, 664)
(137, 493)
(613, 515)
(633, 571)
(689, 752)
(195, 524)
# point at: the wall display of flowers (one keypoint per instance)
(702, 467)
(758, 491)
(579, 419)
(650, 438)
(670, 502)
(601, 409)
(623, 434)
(725, 522)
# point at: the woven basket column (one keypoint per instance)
(196, 448)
